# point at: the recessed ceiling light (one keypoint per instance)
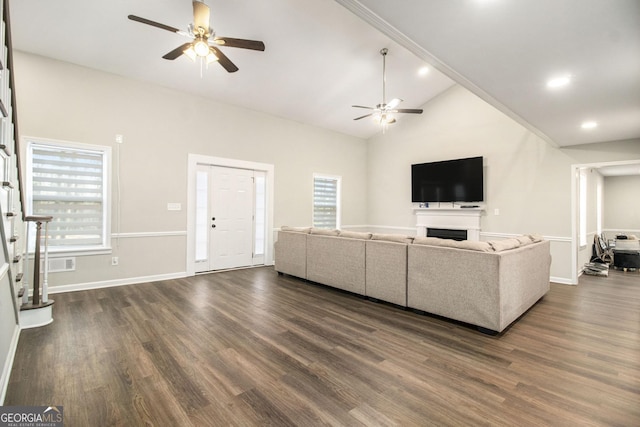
(560, 81)
(423, 71)
(589, 125)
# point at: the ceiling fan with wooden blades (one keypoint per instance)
(204, 42)
(383, 113)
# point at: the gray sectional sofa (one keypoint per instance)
(487, 284)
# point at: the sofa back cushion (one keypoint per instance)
(505, 244)
(397, 238)
(471, 245)
(355, 235)
(324, 231)
(304, 230)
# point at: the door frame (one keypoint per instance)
(575, 246)
(193, 161)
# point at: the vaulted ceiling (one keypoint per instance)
(322, 57)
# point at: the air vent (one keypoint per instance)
(57, 265)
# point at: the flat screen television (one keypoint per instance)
(459, 180)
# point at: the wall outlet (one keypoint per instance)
(496, 211)
(114, 260)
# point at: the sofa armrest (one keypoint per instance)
(290, 252)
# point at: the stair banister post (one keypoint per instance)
(45, 276)
(35, 299)
(25, 268)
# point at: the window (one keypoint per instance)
(326, 201)
(70, 182)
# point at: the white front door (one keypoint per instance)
(224, 218)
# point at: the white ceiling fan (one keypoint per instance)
(383, 113)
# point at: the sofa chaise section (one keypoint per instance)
(487, 289)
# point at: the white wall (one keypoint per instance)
(622, 204)
(161, 127)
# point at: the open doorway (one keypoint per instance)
(589, 206)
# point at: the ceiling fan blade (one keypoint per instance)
(201, 16)
(362, 106)
(153, 23)
(362, 117)
(408, 110)
(241, 43)
(393, 103)
(224, 61)
(175, 53)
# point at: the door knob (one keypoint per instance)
(213, 218)
(213, 226)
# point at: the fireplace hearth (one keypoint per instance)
(445, 233)
(454, 222)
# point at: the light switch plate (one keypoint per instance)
(174, 206)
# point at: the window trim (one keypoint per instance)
(338, 180)
(79, 250)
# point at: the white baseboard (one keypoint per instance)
(116, 282)
(6, 369)
(561, 280)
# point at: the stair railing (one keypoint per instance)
(37, 299)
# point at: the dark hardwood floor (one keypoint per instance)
(248, 347)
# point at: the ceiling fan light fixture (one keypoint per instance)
(190, 52)
(384, 120)
(201, 47)
(211, 57)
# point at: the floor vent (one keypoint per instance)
(57, 265)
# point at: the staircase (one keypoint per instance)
(35, 310)
(17, 309)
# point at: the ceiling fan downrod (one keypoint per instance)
(384, 52)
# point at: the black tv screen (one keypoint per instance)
(459, 180)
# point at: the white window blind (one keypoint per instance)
(69, 184)
(326, 202)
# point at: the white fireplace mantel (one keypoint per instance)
(454, 218)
